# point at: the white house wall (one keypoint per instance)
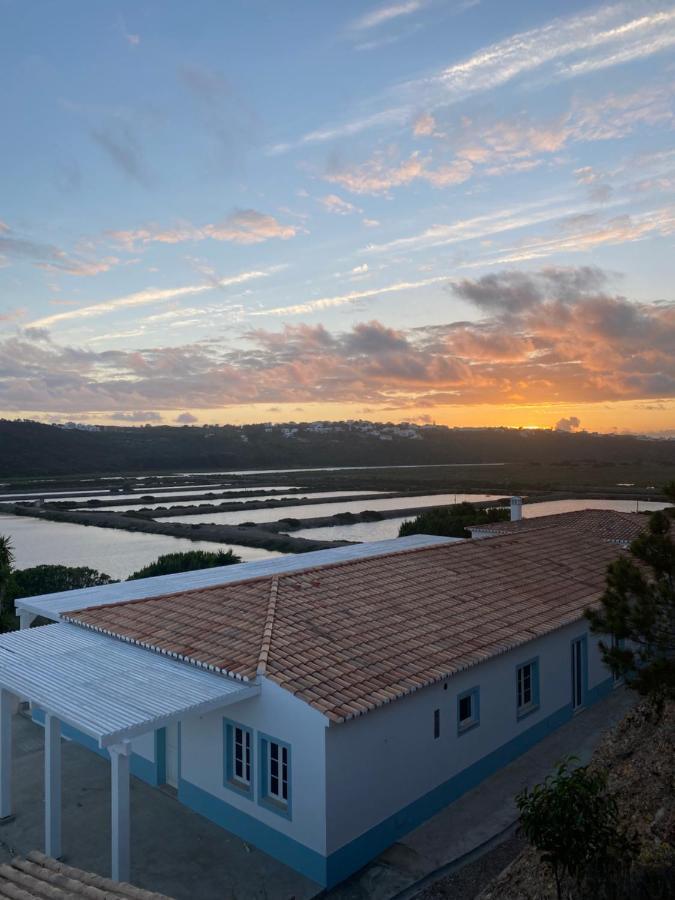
(385, 772)
(278, 714)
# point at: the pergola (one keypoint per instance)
(111, 691)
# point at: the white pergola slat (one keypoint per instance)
(111, 690)
(53, 606)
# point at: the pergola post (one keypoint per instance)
(6, 705)
(52, 786)
(26, 619)
(121, 838)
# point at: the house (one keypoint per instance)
(610, 525)
(319, 706)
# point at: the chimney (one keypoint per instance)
(516, 509)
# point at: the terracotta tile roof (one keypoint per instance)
(38, 876)
(348, 637)
(608, 524)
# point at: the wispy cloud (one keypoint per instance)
(143, 298)
(567, 47)
(383, 14)
(342, 299)
(245, 226)
(15, 247)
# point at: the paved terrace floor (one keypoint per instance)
(177, 852)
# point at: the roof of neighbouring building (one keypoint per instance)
(348, 637)
(39, 876)
(608, 524)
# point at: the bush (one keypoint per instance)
(572, 820)
(452, 521)
(170, 563)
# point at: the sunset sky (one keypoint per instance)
(460, 211)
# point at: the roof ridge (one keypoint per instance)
(261, 668)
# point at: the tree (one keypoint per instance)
(46, 579)
(6, 563)
(637, 610)
(186, 562)
(572, 820)
(452, 521)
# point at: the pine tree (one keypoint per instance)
(637, 610)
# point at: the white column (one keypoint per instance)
(6, 704)
(52, 786)
(121, 840)
(26, 619)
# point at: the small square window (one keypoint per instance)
(468, 710)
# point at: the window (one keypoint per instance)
(238, 757)
(527, 687)
(468, 710)
(437, 723)
(275, 775)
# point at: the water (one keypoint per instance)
(338, 469)
(118, 553)
(249, 499)
(328, 509)
(177, 492)
(361, 531)
(388, 528)
(552, 507)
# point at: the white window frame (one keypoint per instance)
(282, 762)
(246, 743)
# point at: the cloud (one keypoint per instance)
(137, 416)
(133, 39)
(342, 299)
(478, 147)
(385, 14)
(424, 125)
(120, 144)
(49, 257)
(559, 337)
(380, 173)
(145, 297)
(244, 226)
(565, 47)
(571, 424)
(226, 117)
(186, 418)
(336, 204)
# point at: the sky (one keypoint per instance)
(450, 211)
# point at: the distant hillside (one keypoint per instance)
(32, 449)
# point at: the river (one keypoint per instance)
(117, 553)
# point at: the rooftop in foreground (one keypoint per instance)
(349, 636)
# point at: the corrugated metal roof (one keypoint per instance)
(53, 606)
(109, 689)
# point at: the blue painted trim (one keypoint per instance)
(355, 855)
(474, 721)
(229, 780)
(270, 803)
(533, 707)
(288, 851)
(140, 767)
(160, 755)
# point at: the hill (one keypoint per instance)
(32, 449)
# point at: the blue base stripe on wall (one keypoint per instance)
(357, 853)
(285, 849)
(329, 871)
